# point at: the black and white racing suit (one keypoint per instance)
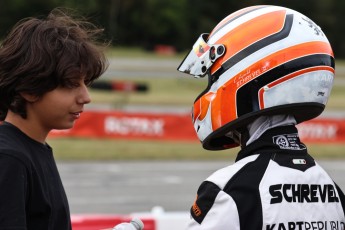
(273, 185)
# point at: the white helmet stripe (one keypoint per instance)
(215, 36)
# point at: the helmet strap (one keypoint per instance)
(239, 136)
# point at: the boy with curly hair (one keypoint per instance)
(46, 66)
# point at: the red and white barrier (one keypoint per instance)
(119, 124)
(99, 222)
(178, 127)
(152, 220)
(323, 130)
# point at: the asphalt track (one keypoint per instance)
(130, 187)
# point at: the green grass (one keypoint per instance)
(182, 92)
(103, 150)
(173, 91)
(162, 91)
(97, 149)
(337, 98)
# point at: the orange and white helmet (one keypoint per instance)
(261, 60)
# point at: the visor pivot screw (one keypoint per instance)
(220, 50)
(204, 69)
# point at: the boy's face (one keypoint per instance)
(59, 108)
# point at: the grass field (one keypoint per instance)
(171, 91)
(104, 150)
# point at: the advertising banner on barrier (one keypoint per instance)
(322, 130)
(178, 127)
(117, 124)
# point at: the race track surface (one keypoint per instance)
(128, 187)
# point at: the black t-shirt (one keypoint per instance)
(32, 196)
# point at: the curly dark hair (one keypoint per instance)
(39, 55)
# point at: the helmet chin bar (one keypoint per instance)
(200, 59)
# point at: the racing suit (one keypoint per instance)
(274, 184)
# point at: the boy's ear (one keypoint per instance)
(29, 97)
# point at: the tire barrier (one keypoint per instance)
(120, 86)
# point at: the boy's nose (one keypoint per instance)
(84, 97)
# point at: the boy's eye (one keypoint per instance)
(75, 85)
(71, 85)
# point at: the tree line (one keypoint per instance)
(146, 23)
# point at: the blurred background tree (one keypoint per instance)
(147, 23)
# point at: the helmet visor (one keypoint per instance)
(200, 59)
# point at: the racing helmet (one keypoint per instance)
(260, 60)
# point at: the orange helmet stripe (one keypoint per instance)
(258, 28)
(203, 103)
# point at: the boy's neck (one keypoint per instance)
(30, 128)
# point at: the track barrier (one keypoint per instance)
(120, 86)
(100, 222)
(178, 127)
(157, 219)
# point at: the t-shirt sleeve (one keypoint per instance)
(13, 192)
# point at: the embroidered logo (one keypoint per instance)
(288, 141)
(282, 142)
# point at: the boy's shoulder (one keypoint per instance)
(9, 136)
(11, 145)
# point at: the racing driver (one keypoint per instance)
(269, 68)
